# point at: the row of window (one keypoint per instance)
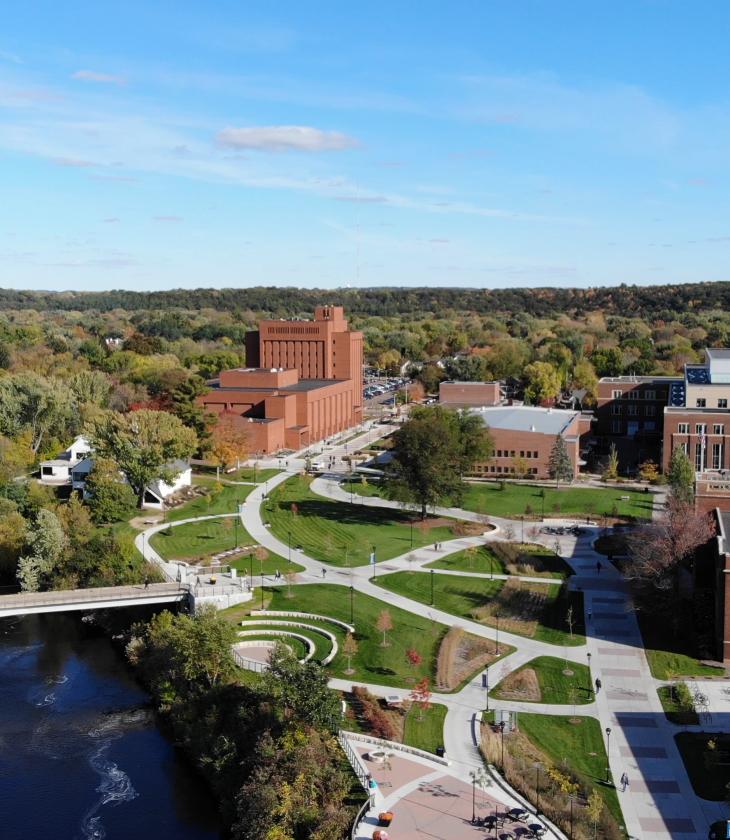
(633, 410)
(714, 454)
(633, 395)
(701, 402)
(511, 453)
(484, 468)
(701, 428)
(617, 427)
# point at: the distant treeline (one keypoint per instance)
(644, 301)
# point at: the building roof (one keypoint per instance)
(302, 385)
(469, 382)
(526, 418)
(639, 380)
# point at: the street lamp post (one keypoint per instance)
(502, 724)
(496, 647)
(235, 524)
(588, 656)
(486, 688)
(542, 496)
(250, 557)
(608, 754)
(431, 587)
(411, 533)
(372, 563)
(352, 612)
(473, 797)
(522, 537)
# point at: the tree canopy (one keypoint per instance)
(431, 453)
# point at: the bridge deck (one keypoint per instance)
(65, 600)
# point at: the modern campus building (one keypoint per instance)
(650, 416)
(524, 437)
(302, 383)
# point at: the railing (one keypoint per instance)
(75, 596)
(353, 758)
(394, 745)
(366, 806)
(249, 664)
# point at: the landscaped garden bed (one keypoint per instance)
(547, 679)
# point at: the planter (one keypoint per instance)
(212, 579)
(385, 818)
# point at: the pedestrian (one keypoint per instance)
(624, 782)
(146, 583)
(598, 566)
(598, 685)
(590, 614)
(277, 575)
(324, 572)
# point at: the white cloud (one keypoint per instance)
(285, 138)
(94, 76)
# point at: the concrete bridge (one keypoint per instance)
(68, 600)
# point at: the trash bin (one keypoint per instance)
(440, 752)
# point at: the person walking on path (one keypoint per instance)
(146, 583)
(324, 572)
(598, 685)
(598, 566)
(590, 615)
(624, 781)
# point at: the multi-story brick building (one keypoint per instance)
(303, 382)
(524, 437)
(469, 394)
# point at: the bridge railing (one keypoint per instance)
(74, 596)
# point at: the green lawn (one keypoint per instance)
(665, 664)
(426, 734)
(555, 686)
(368, 488)
(496, 559)
(708, 770)
(575, 500)
(338, 532)
(677, 704)
(580, 745)
(322, 645)
(480, 598)
(244, 474)
(372, 663)
(221, 498)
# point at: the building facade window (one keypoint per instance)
(633, 410)
(615, 395)
(650, 410)
(699, 457)
(683, 428)
(722, 403)
(718, 429)
(649, 395)
(684, 447)
(616, 427)
(701, 402)
(615, 408)
(633, 395)
(701, 429)
(717, 456)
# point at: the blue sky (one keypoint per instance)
(490, 143)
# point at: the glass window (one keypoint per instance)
(633, 410)
(633, 395)
(718, 429)
(683, 428)
(616, 408)
(701, 429)
(616, 427)
(716, 456)
(649, 395)
(650, 410)
(701, 402)
(722, 403)
(616, 395)
(699, 457)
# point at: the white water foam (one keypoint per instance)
(115, 786)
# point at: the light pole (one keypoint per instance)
(431, 587)
(522, 537)
(473, 796)
(352, 609)
(262, 582)
(486, 687)
(588, 656)
(411, 533)
(496, 647)
(235, 524)
(250, 557)
(288, 537)
(542, 496)
(608, 754)
(502, 724)
(372, 563)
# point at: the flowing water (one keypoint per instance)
(81, 757)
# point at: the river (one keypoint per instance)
(80, 755)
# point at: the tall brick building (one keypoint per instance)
(302, 383)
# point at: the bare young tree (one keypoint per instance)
(657, 550)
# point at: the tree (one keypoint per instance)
(229, 441)
(46, 543)
(543, 382)
(595, 810)
(421, 696)
(389, 361)
(384, 625)
(110, 498)
(648, 471)
(431, 452)
(90, 386)
(430, 376)
(584, 376)
(143, 444)
(611, 471)
(560, 467)
(657, 550)
(349, 648)
(681, 475)
(301, 689)
(12, 538)
(40, 405)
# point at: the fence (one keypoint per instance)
(249, 664)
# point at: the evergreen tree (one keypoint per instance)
(560, 467)
(681, 475)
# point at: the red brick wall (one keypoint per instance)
(469, 393)
(506, 442)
